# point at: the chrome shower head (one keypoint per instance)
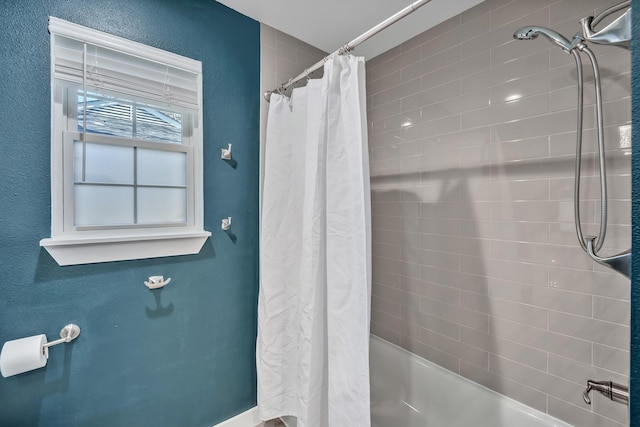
(531, 32)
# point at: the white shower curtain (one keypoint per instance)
(315, 285)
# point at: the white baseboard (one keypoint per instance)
(246, 419)
(289, 421)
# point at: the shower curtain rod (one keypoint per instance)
(351, 45)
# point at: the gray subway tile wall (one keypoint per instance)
(476, 264)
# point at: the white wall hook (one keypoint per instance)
(226, 224)
(156, 282)
(226, 153)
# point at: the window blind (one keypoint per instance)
(123, 66)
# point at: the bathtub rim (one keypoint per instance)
(529, 411)
(532, 412)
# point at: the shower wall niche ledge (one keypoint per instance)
(89, 250)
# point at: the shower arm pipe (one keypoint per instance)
(609, 11)
(350, 46)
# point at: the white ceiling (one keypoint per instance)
(329, 24)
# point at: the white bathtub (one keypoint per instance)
(409, 391)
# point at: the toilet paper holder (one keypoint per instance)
(67, 334)
(30, 353)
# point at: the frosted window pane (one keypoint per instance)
(108, 164)
(162, 205)
(157, 125)
(157, 167)
(103, 205)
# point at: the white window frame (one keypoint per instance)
(70, 245)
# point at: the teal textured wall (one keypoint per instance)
(183, 356)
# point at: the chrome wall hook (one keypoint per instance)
(226, 224)
(620, 262)
(157, 282)
(225, 153)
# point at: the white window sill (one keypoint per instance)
(89, 250)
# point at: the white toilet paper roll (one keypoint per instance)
(23, 355)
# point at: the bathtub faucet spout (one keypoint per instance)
(613, 391)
